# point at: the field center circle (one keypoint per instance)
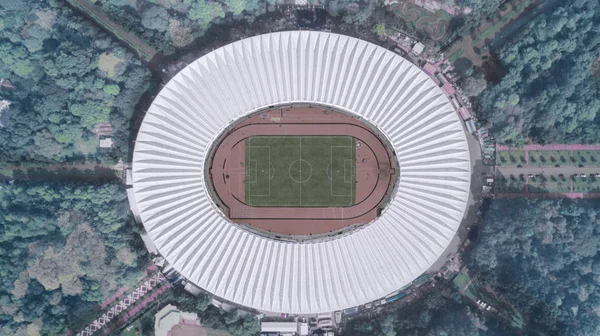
(300, 171)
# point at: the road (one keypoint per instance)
(87, 171)
(545, 170)
(151, 286)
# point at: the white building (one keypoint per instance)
(170, 321)
(4, 112)
(283, 328)
(106, 143)
(345, 73)
(418, 48)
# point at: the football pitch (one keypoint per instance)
(300, 171)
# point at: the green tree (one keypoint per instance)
(156, 17)
(204, 11)
(111, 89)
(91, 113)
(236, 6)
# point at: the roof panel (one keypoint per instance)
(309, 277)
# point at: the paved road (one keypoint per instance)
(546, 171)
(88, 171)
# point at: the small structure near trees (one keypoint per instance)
(104, 133)
(4, 112)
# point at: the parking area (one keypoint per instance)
(547, 179)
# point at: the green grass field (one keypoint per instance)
(586, 184)
(456, 55)
(550, 158)
(587, 158)
(510, 158)
(549, 184)
(317, 171)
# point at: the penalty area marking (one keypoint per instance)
(332, 172)
(270, 173)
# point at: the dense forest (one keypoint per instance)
(435, 315)
(64, 247)
(172, 25)
(67, 76)
(543, 257)
(549, 92)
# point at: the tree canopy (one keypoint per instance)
(549, 92)
(543, 256)
(64, 247)
(68, 77)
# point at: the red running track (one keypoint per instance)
(374, 173)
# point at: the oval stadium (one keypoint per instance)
(301, 172)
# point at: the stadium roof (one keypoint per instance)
(310, 277)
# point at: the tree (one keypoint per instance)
(236, 6)
(111, 89)
(380, 29)
(156, 17)
(548, 93)
(387, 326)
(539, 255)
(56, 254)
(203, 12)
(474, 85)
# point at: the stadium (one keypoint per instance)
(301, 172)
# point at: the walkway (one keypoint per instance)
(95, 13)
(86, 171)
(130, 305)
(571, 147)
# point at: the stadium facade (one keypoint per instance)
(281, 69)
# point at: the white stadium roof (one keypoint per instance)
(309, 277)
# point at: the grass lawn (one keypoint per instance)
(461, 281)
(589, 158)
(586, 184)
(510, 158)
(550, 158)
(549, 184)
(456, 55)
(300, 171)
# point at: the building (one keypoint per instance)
(106, 142)
(170, 321)
(4, 112)
(104, 132)
(471, 128)
(417, 123)
(465, 113)
(284, 329)
(418, 48)
(104, 129)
